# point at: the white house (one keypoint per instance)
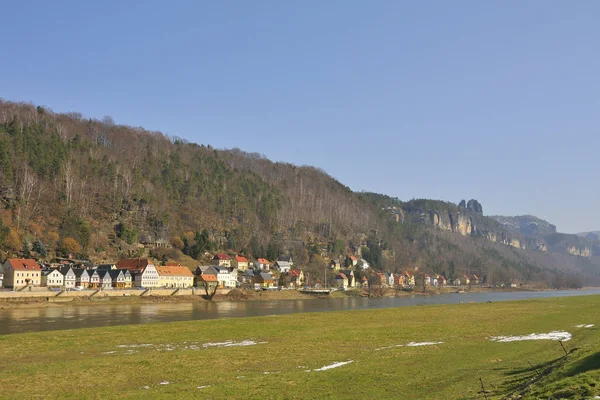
(227, 279)
(69, 278)
(147, 277)
(105, 279)
(52, 278)
(362, 263)
(82, 278)
(282, 266)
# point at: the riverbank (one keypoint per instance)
(16, 300)
(429, 352)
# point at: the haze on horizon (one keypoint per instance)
(496, 101)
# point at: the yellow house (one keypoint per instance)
(21, 272)
(175, 277)
(241, 263)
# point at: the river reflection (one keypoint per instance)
(73, 316)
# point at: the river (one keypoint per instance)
(73, 316)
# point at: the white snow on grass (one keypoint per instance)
(334, 365)
(589, 326)
(231, 343)
(108, 352)
(132, 346)
(164, 383)
(584, 326)
(410, 344)
(413, 344)
(555, 335)
(204, 387)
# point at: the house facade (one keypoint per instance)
(52, 278)
(69, 278)
(175, 277)
(82, 277)
(241, 263)
(262, 264)
(105, 281)
(222, 260)
(341, 281)
(282, 266)
(265, 280)
(21, 272)
(146, 278)
(227, 279)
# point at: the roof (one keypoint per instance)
(134, 263)
(174, 271)
(353, 258)
(221, 256)
(65, 270)
(114, 273)
(285, 264)
(263, 261)
(241, 259)
(23, 264)
(294, 272)
(266, 276)
(207, 278)
(47, 272)
(80, 271)
(285, 257)
(173, 264)
(341, 276)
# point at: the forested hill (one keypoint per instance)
(90, 188)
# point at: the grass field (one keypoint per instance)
(105, 363)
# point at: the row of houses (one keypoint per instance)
(346, 279)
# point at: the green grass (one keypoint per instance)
(70, 364)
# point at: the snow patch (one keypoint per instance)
(555, 335)
(133, 346)
(231, 343)
(108, 352)
(164, 383)
(584, 326)
(334, 365)
(410, 344)
(204, 387)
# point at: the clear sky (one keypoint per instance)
(493, 100)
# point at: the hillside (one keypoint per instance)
(526, 225)
(94, 189)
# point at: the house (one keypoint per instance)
(82, 277)
(475, 280)
(409, 279)
(246, 278)
(296, 278)
(226, 277)
(465, 280)
(362, 263)
(398, 281)
(105, 281)
(123, 280)
(94, 279)
(21, 272)
(1, 279)
(69, 278)
(52, 278)
(264, 279)
(364, 281)
(222, 260)
(390, 279)
(441, 280)
(282, 266)
(207, 281)
(341, 281)
(262, 264)
(434, 281)
(352, 261)
(350, 275)
(427, 280)
(175, 277)
(142, 270)
(241, 263)
(335, 265)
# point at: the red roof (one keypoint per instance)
(364, 278)
(207, 278)
(133, 264)
(353, 258)
(263, 261)
(221, 256)
(341, 276)
(241, 259)
(23, 264)
(174, 271)
(294, 272)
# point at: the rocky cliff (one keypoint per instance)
(526, 225)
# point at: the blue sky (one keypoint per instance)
(493, 100)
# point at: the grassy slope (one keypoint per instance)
(52, 365)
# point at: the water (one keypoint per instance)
(75, 316)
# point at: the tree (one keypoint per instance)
(13, 241)
(210, 288)
(70, 246)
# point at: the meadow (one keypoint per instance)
(421, 352)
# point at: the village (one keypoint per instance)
(224, 273)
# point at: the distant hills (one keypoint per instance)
(71, 185)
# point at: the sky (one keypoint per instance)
(493, 100)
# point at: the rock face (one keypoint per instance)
(472, 206)
(582, 252)
(453, 222)
(526, 225)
